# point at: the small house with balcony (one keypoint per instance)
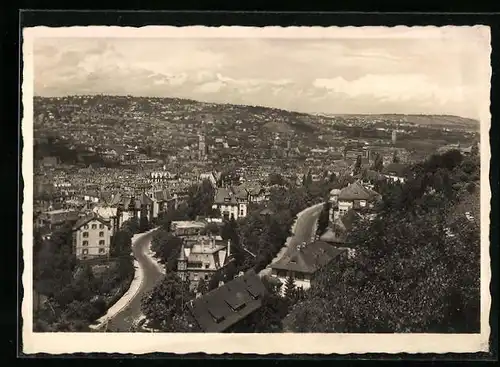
(355, 196)
(303, 263)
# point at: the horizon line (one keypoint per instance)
(325, 114)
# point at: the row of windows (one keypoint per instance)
(101, 243)
(94, 226)
(86, 252)
(86, 234)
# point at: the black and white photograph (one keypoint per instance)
(302, 189)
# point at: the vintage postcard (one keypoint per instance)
(300, 190)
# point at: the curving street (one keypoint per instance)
(303, 230)
(123, 320)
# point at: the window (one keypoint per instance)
(281, 273)
(206, 276)
(86, 226)
(299, 276)
(94, 226)
(85, 243)
(242, 212)
(207, 266)
(101, 242)
(85, 252)
(85, 234)
(101, 226)
(101, 234)
(102, 251)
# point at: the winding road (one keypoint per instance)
(303, 231)
(126, 318)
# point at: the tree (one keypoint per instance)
(200, 200)
(144, 222)
(121, 244)
(357, 165)
(475, 150)
(289, 287)
(378, 163)
(395, 157)
(324, 218)
(276, 179)
(167, 248)
(166, 300)
(332, 178)
(409, 274)
(214, 281)
(202, 286)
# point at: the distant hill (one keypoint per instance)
(442, 120)
(99, 108)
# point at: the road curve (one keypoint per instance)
(124, 319)
(303, 230)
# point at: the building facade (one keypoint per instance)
(303, 264)
(92, 237)
(203, 259)
(231, 203)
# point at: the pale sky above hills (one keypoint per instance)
(429, 75)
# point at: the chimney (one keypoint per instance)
(228, 248)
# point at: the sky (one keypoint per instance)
(335, 75)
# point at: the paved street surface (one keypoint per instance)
(304, 227)
(125, 318)
(303, 231)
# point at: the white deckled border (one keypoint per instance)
(135, 343)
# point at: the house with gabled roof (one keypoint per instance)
(92, 237)
(162, 200)
(222, 309)
(231, 202)
(354, 196)
(304, 262)
(130, 206)
(202, 258)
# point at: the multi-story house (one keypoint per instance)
(110, 215)
(130, 206)
(231, 203)
(304, 262)
(203, 259)
(92, 237)
(162, 201)
(354, 196)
